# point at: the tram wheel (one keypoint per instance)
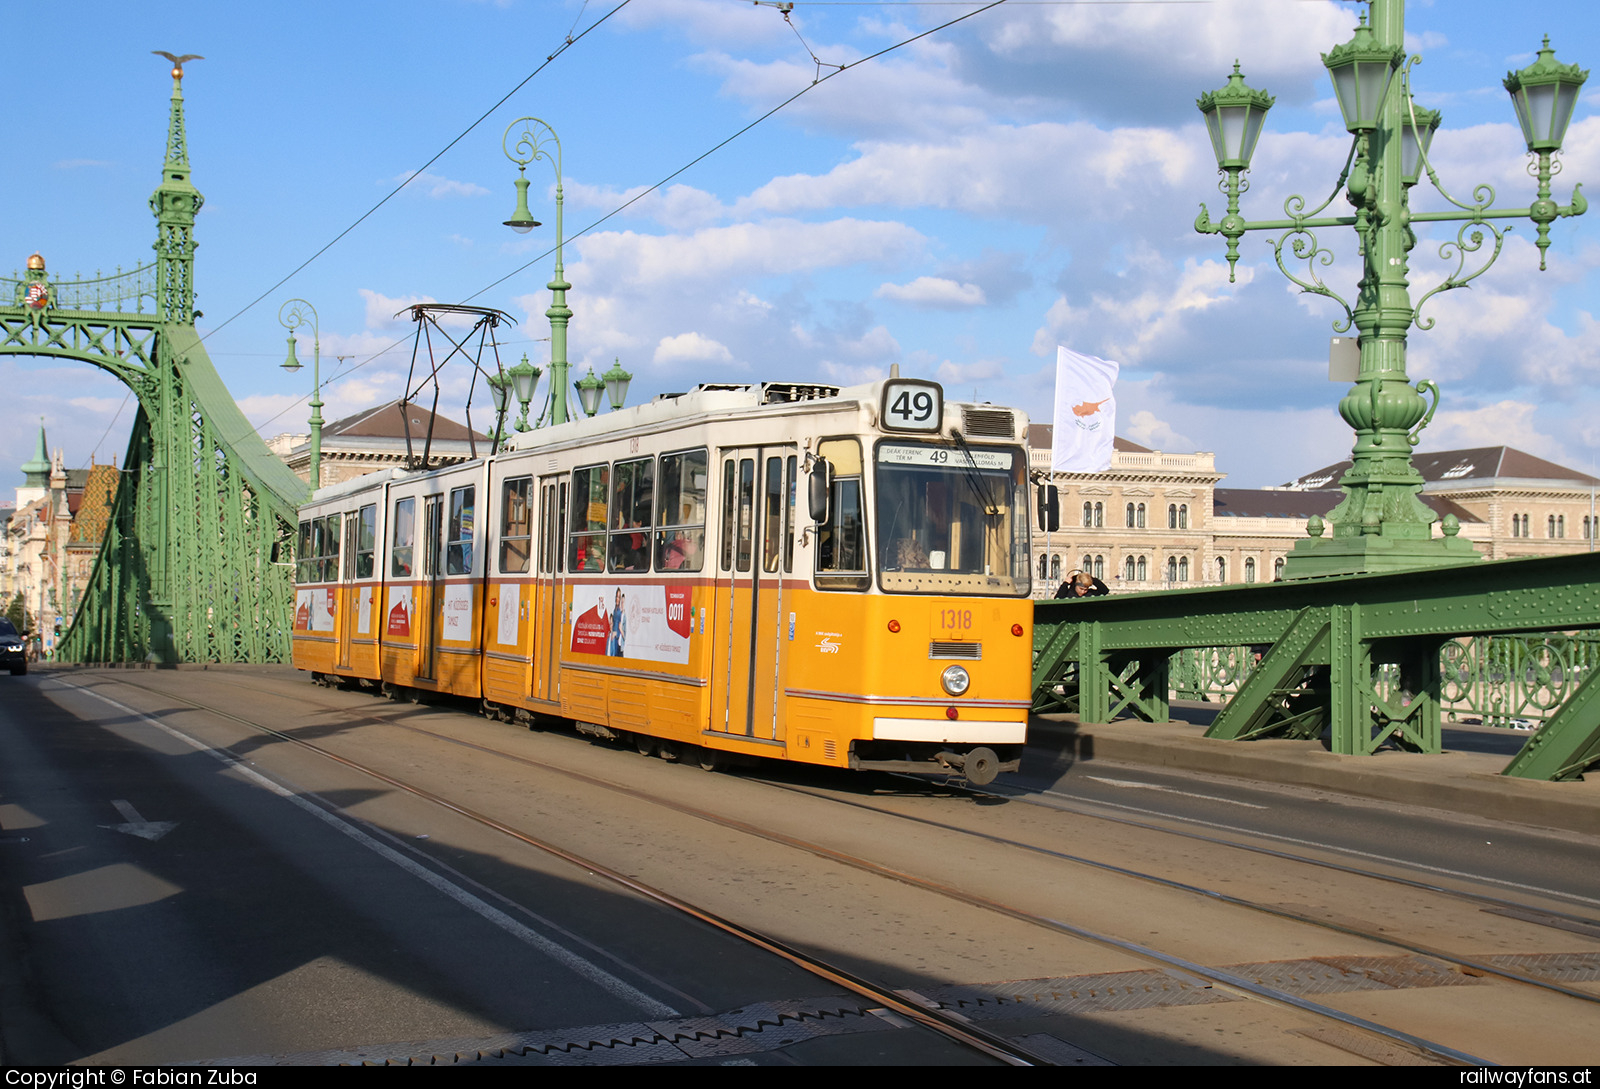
(710, 759)
(982, 766)
(646, 744)
(392, 691)
(667, 750)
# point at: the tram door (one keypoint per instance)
(350, 591)
(428, 618)
(549, 600)
(748, 651)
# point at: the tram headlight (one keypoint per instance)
(956, 680)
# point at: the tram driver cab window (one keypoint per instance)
(842, 539)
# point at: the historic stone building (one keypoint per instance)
(1143, 524)
(376, 439)
(52, 538)
(1156, 519)
(1525, 506)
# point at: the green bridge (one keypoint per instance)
(185, 573)
(1358, 656)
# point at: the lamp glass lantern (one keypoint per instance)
(1361, 69)
(589, 388)
(1234, 115)
(292, 363)
(524, 379)
(1415, 141)
(616, 380)
(522, 220)
(499, 385)
(1545, 94)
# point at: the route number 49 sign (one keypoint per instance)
(912, 405)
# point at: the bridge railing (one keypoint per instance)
(1515, 681)
(121, 292)
(1373, 660)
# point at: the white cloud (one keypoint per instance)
(1145, 428)
(933, 292)
(630, 260)
(434, 186)
(1505, 423)
(690, 348)
(678, 207)
(959, 374)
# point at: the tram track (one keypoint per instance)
(944, 889)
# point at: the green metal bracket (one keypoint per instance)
(1570, 742)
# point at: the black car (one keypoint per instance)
(12, 654)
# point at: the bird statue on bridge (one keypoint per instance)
(177, 62)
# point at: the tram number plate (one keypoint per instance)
(956, 623)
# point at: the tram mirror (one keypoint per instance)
(1049, 508)
(821, 487)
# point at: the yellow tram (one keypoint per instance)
(792, 571)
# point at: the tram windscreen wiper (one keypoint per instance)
(975, 478)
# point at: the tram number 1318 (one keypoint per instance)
(954, 621)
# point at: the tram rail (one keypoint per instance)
(1469, 965)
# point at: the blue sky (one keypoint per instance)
(959, 206)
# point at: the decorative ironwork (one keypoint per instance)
(123, 292)
(187, 571)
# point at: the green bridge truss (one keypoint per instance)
(185, 573)
(1357, 656)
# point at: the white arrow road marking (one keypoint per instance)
(137, 825)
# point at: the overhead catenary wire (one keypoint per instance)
(568, 43)
(625, 205)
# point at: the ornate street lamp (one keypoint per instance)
(524, 379)
(1382, 525)
(499, 387)
(616, 380)
(535, 140)
(292, 315)
(589, 388)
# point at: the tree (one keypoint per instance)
(18, 614)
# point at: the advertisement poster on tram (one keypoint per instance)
(399, 621)
(313, 610)
(458, 612)
(633, 621)
(510, 611)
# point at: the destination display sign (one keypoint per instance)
(937, 456)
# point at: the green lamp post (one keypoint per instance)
(1382, 525)
(589, 388)
(292, 315)
(616, 380)
(524, 379)
(537, 140)
(499, 388)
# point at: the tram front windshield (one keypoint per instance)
(952, 520)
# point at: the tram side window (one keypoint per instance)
(841, 541)
(366, 540)
(589, 490)
(302, 554)
(631, 499)
(516, 526)
(681, 492)
(403, 539)
(458, 544)
(317, 559)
